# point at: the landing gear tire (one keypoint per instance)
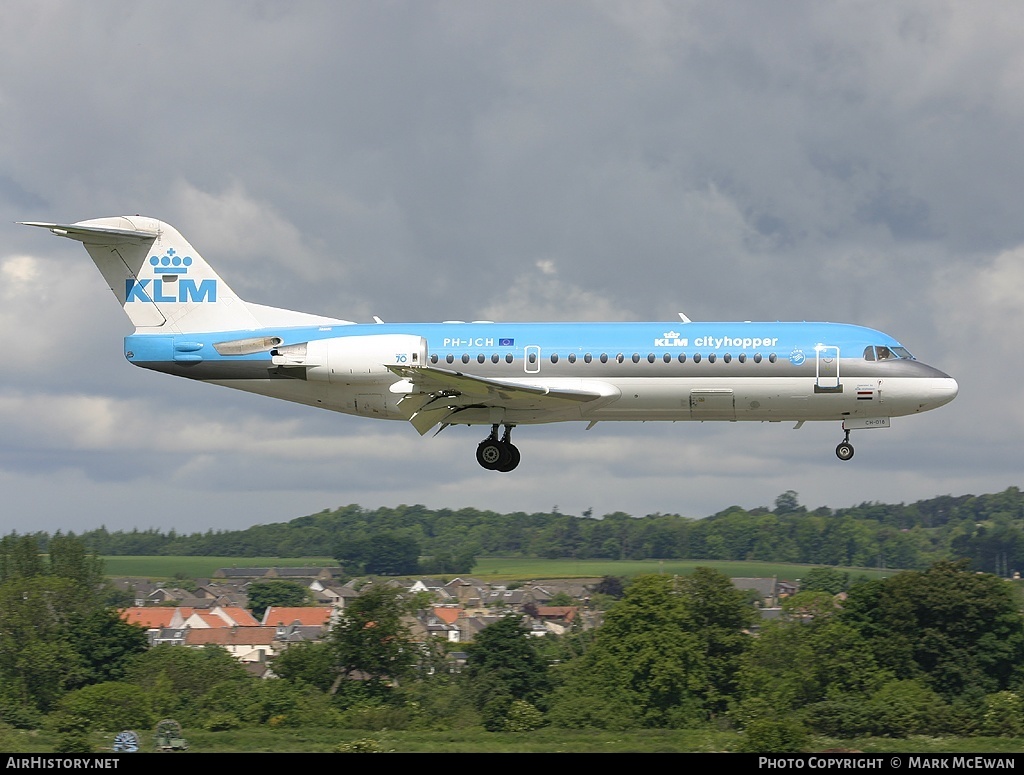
(844, 451)
(513, 459)
(496, 454)
(492, 454)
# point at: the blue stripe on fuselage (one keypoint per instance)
(460, 338)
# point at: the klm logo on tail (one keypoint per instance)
(171, 263)
(181, 291)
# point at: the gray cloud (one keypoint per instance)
(438, 160)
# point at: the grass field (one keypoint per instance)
(313, 740)
(491, 569)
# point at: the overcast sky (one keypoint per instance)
(423, 161)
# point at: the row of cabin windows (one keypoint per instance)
(604, 358)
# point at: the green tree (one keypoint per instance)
(1003, 715)
(788, 503)
(828, 580)
(56, 636)
(277, 592)
(613, 586)
(274, 701)
(503, 665)
(382, 554)
(371, 639)
(905, 708)
(719, 615)
(307, 663)
(176, 677)
(562, 598)
(69, 559)
(19, 557)
(794, 663)
(960, 632)
(774, 735)
(110, 706)
(667, 655)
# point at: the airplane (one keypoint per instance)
(189, 323)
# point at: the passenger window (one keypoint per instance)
(772, 358)
(465, 358)
(481, 358)
(757, 357)
(588, 358)
(696, 357)
(533, 357)
(572, 357)
(433, 358)
(667, 358)
(604, 357)
(743, 357)
(508, 358)
(712, 358)
(620, 358)
(727, 358)
(682, 357)
(554, 357)
(494, 358)
(636, 357)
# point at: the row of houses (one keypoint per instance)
(228, 588)
(215, 611)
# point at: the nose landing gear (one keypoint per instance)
(496, 454)
(845, 449)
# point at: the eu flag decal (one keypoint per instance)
(506, 343)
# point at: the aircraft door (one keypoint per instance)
(531, 358)
(826, 369)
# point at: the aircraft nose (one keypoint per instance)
(944, 391)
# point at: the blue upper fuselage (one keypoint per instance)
(787, 341)
(457, 338)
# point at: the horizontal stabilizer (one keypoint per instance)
(94, 234)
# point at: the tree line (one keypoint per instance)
(988, 530)
(938, 651)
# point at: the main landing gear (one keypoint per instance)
(496, 454)
(845, 449)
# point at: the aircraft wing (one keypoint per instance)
(434, 396)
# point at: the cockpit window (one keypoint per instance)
(882, 353)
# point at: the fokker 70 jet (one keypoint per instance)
(189, 323)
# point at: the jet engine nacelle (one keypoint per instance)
(353, 359)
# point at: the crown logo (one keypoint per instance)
(170, 263)
(671, 334)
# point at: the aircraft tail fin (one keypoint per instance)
(160, 280)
